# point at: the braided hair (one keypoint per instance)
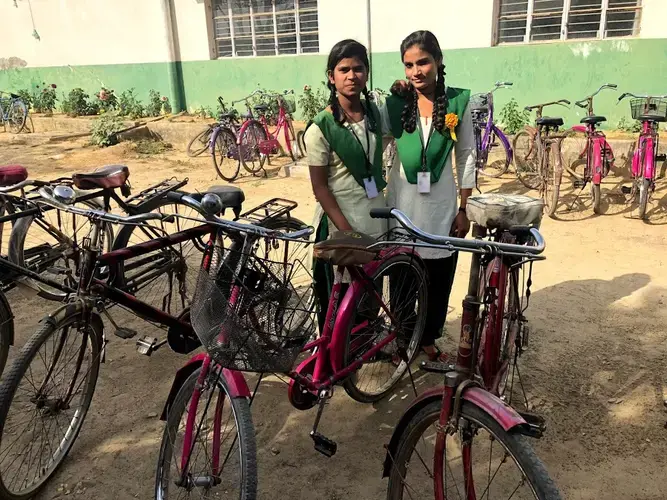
(343, 50)
(429, 43)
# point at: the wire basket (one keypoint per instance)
(479, 101)
(289, 101)
(254, 311)
(654, 106)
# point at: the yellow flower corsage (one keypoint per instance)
(451, 121)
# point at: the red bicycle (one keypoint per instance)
(460, 440)
(257, 142)
(594, 152)
(649, 110)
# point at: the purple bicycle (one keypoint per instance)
(494, 153)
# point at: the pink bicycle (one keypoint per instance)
(250, 314)
(649, 110)
(594, 152)
(257, 142)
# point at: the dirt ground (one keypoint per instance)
(596, 366)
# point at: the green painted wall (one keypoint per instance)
(540, 72)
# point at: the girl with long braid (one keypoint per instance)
(344, 153)
(428, 120)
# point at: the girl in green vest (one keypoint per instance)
(428, 121)
(344, 153)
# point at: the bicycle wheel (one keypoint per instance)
(44, 399)
(597, 198)
(644, 191)
(576, 152)
(526, 160)
(164, 278)
(300, 140)
(498, 159)
(511, 339)
(251, 156)
(401, 283)
(294, 150)
(199, 143)
(551, 185)
(50, 244)
(225, 155)
(223, 430)
(476, 460)
(6, 330)
(18, 112)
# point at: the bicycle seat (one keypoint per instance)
(503, 211)
(652, 118)
(107, 177)
(547, 121)
(12, 174)
(593, 120)
(261, 107)
(230, 196)
(226, 115)
(346, 248)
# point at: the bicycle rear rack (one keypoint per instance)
(267, 211)
(155, 191)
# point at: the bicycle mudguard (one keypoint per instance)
(236, 382)
(502, 413)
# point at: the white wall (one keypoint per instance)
(192, 31)
(80, 32)
(654, 19)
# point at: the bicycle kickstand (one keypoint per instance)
(323, 444)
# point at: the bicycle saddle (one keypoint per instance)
(346, 248)
(226, 115)
(504, 211)
(593, 120)
(107, 177)
(652, 118)
(547, 121)
(230, 196)
(12, 174)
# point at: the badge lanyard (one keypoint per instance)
(424, 177)
(369, 182)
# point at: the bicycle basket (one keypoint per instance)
(479, 101)
(289, 103)
(254, 311)
(654, 107)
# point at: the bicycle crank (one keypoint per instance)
(323, 444)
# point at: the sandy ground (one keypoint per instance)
(596, 367)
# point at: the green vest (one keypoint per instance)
(409, 146)
(349, 150)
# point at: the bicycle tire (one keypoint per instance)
(12, 380)
(517, 446)
(16, 122)
(644, 189)
(576, 154)
(30, 258)
(245, 434)
(295, 153)
(525, 158)
(6, 330)
(502, 164)
(300, 139)
(226, 146)
(249, 150)
(597, 198)
(193, 152)
(550, 179)
(352, 384)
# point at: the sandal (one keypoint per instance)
(437, 356)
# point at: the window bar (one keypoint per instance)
(231, 27)
(275, 26)
(564, 21)
(603, 18)
(298, 27)
(529, 20)
(252, 29)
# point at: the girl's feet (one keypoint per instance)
(434, 354)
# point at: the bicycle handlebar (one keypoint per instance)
(562, 102)
(587, 102)
(630, 94)
(460, 243)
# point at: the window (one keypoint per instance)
(265, 27)
(539, 20)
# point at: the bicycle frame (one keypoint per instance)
(646, 148)
(597, 152)
(484, 141)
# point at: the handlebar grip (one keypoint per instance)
(612, 85)
(381, 213)
(581, 104)
(565, 101)
(509, 84)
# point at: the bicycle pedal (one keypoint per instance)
(324, 445)
(661, 157)
(525, 336)
(436, 367)
(125, 333)
(146, 345)
(578, 184)
(59, 270)
(626, 189)
(537, 426)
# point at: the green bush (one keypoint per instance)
(154, 106)
(25, 96)
(271, 113)
(625, 125)
(104, 129)
(129, 105)
(512, 118)
(312, 102)
(106, 100)
(76, 104)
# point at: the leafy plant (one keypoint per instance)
(129, 105)
(76, 104)
(106, 100)
(204, 112)
(629, 126)
(512, 118)
(25, 96)
(154, 106)
(42, 98)
(271, 103)
(166, 105)
(105, 128)
(312, 102)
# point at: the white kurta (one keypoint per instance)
(435, 212)
(351, 197)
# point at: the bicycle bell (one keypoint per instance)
(211, 204)
(64, 194)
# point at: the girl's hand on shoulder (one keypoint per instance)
(400, 88)
(460, 226)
